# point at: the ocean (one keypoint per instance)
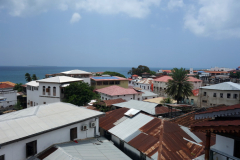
(16, 74)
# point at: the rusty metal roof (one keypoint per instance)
(163, 110)
(113, 101)
(111, 117)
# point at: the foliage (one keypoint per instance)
(152, 72)
(138, 71)
(97, 74)
(18, 106)
(166, 100)
(114, 74)
(101, 106)
(28, 77)
(179, 87)
(34, 77)
(79, 93)
(196, 76)
(18, 87)
(234, 75)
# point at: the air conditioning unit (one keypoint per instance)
(92, 124)
(84, 127)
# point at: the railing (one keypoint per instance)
(214, 153)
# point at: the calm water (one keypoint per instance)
(16, 74)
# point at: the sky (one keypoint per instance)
(120, 33)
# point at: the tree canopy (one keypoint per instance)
(139, 70)
(18, 87)
(79, 93)
(29, 78)
(166, 100)
(114, 74)
(234, 75)
(179, 87)
(34, 77)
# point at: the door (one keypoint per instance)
(73, 133)
(134, 96)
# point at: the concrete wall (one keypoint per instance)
(17, 150)
(123, 84)
(127, 97)
(146, 87)
(32, 95)
(209, 100)
(11, 96)
(159, 88)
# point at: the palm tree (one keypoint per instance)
(179, 87)
(28, 77)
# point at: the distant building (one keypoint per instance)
(85, 76)
(106, 81)
(48, 90)
(7, 94)
(115, 92)
(30, 131)
(227, 93)
(146, 75)
(220, 69)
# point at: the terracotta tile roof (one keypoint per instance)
(163, 110)
(92, 108)
(111, 117)
(163, 79)
(195, 92)
(5, 85)
(168, 71)
(116, 90)
(129, 79)
(220, 108)
(192, 79)
(113, 101)
(187, 119)
(134, 75)
(10, 83)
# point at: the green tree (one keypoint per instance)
(152, 72)
(164, 73)
(34, 77)
(18, 87)
(166, 100)
(138, 71)
(18, 106)
(179, 87)
(114, 74)
(79, 93)
(28, 77)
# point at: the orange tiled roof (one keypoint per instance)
(9, 83)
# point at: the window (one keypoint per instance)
(144, 87)
(44, 102)
(235, 96)
(32, 88)
(204, 101)
(160, 88)
(102, 97)
(228, 95)
(99, 83)
(73, 133)
(214, 94)
(204, 93)
(43, 91)
(221, 95)
(54, 91)
(34, 103)
(2, 157)
(62, 90)
(31, 103)
(236, 148)
(49, 90)
(31, 148)
(105, 82)
(105, 98)
(148, 87)
(117, 82)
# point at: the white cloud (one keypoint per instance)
(132, 8)
(214, 18)
(75, 17)
(175, 3)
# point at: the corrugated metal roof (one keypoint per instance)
(130, 126)
(148, 94)
(131, 112)
(34, 120)
(224, 86)
(33, 83)
(111, 117)
(76, 71)
(193, 136)
(147, 107)
(89, 149)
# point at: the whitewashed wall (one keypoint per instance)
(126, 97)
(17, 150)
(11, 96)
(32, 95)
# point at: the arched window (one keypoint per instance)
(43, 91)
(54, 91)
(49, 90)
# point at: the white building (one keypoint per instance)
(9, 96)
(48, 90)
(115, 92)
(220, 69)
(227, 93)
(85, 76)
(29, 131)
(144, 84)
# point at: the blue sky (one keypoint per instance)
(120, 33)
